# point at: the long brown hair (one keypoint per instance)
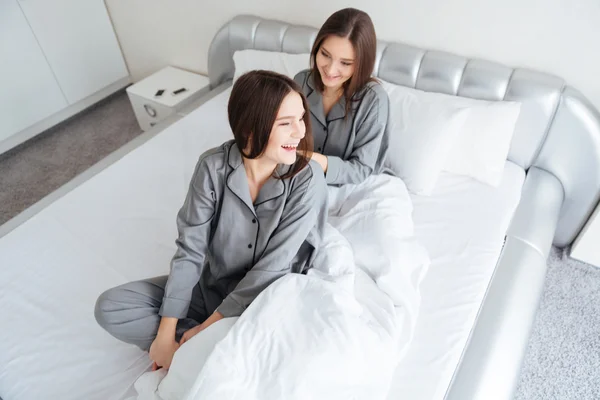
(356, 26)
(253, 106)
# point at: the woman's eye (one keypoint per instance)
(345, 64)
(324, 55)
(284, 124)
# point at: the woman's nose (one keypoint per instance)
(299, 131)
(330, 69)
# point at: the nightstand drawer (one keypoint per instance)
(147, 112)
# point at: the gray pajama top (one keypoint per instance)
(233, 248)
(356, 146)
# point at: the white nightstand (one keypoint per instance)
(150, 109)
(586, 247)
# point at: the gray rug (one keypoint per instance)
(563, 359)
(43, 164)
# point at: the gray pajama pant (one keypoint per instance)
(130, 312)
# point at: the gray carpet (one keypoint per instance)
(563, 359)
(48, 161)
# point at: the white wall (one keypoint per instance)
(556, 36)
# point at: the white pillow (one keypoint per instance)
(422, 135)
(190, 358)
(481, 149)
(284, 63)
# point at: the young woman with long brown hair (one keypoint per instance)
(349, 108)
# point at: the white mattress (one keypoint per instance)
(120, 226)
(116, 227)
(462, 225)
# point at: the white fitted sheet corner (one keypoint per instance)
(120, 226)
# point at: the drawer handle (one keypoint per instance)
(151, 111)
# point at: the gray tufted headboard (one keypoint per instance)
(558, 130)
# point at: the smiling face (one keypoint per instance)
(267, 116)
(287, 132)
(335, 61)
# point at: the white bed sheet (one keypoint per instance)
(116, 227)
(462, 225)
(120, 226)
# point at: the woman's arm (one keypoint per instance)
(194, 227)
(371, 124)
(305, 207)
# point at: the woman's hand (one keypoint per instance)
(162, 350)
(190, 333)
(319, 158)
(322, 160)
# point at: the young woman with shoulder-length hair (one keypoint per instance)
(255, 211)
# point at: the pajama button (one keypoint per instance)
(253, 221)
(249, 246)
(319, 149)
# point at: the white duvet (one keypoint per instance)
(336, 333)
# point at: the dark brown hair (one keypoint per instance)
(253, 106)
(356, 26)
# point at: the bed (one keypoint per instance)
(488, 246)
